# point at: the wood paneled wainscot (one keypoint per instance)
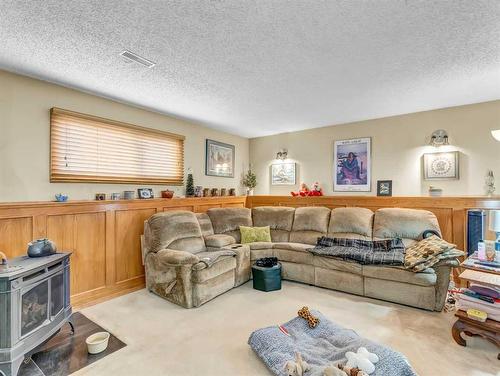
(104, 237)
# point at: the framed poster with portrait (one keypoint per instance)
(283, 174)
(352, 165)
(441, 166)
(219, 159)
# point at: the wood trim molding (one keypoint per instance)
(104, 237)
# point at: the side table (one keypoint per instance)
(490, 329)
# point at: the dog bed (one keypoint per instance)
(322, 346)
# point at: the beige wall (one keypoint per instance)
(24, 140)
(397, 146)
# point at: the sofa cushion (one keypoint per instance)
(202, 273)
(177, 230)
(228, 220)
(260, 245)
(309, 223)
(403, 223)
(336, 264)
(259, 253)
(300, 247)
(351, 223)
(427, 278)
(255, 234)
(278, 218)
(311, 219)
(219, 240)
(296, 256)
(205, 224)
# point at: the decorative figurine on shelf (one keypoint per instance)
(60, 197)
(223, 192)
(490, 183)
(316, 190)
(215, 192)
(167, 194)
(190, 186)
(206, 192)
(303, 191)
(198, 191)
(232, 191)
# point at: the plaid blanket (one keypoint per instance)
(376, 252)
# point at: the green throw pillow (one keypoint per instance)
(255, 234)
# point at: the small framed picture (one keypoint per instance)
(441, 166)
(145, 193)
(283, 174)
(384, 187)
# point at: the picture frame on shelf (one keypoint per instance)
(352, 165)
(283, 173)
(145, 193)
(441, 165)
(384, 188)
(219, 159)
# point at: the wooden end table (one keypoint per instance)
(490, 329)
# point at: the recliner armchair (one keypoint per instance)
(179, 265)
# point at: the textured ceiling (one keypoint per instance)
(262, 67)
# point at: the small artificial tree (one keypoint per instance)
(250, 180)
(189, 186)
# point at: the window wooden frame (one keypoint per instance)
(173, 152)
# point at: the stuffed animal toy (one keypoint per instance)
(316, 190)
(333, 371)
(363, 359)
(297, 368)
(303, 192)
(341, 370)
(307, 315)
(349, 371)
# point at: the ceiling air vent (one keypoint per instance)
(137, 59)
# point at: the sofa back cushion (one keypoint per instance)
(228, 220)
(309, 224)
(352, 223)
(278, 218)
(205, 224)
(407, 224)
(177, 230)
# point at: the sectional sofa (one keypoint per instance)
(192, 258)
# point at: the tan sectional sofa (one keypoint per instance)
(191, 258)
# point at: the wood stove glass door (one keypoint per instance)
(34, 307)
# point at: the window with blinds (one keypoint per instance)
(85, 148)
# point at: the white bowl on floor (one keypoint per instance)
(97, 342)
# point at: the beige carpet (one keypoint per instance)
(164, 339)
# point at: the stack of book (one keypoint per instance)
(481, 299)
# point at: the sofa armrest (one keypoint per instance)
(452, 263)
(243, 267)
(219, 240)
(174, 257)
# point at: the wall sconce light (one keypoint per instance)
(439, 138)
(282, 154)
(496, 134)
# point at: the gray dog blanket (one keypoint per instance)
(322, 346)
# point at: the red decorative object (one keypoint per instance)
(167, 194)
(306, 192)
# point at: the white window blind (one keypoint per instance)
(85, 148)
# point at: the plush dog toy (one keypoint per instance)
(363, 359)
(303, 191)
(341, 370)
(297, 368)
(307, 315)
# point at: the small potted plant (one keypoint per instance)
(250, 181)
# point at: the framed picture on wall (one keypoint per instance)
(441, 166)
(352, 165)
(384, 187)
(219, 159)
(283, 174)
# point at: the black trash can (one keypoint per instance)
(267, 279)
